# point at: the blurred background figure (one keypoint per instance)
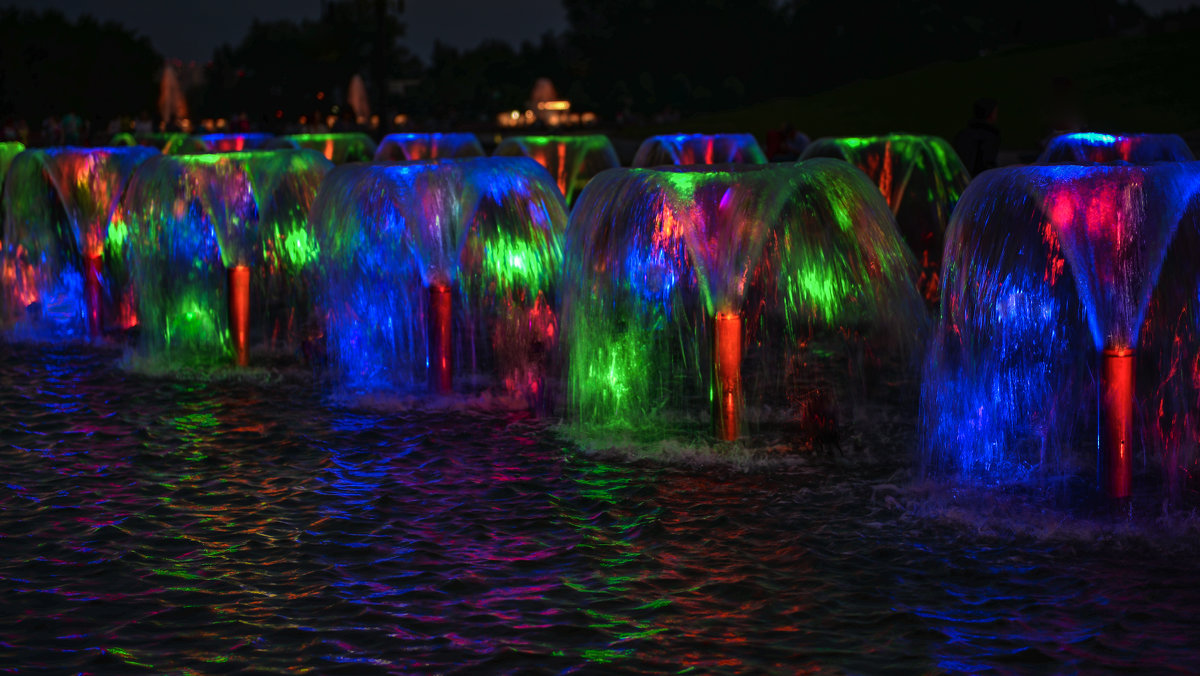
(785, 144)
(979, 142)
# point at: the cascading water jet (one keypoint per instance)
(571, 160)
(412, 147)
(921, 177)
(681, 149)
(439, 271)
(758, 287)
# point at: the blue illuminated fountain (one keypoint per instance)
(1087, 147)
(231, 143)
(411, 147)
(682, 149)
(214, 248)
(58, 204)
(757, 288)
(439, 275)
(1052, 288)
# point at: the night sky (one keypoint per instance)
(192, 29)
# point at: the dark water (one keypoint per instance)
(163, 526)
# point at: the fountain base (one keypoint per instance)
(92, 267)
(727, 375)
(239, 312)
(440, 340)
(1116, 421)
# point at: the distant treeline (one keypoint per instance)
(51, 66)
(619, 58)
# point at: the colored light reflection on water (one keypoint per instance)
(154, 524)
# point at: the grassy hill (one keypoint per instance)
(1144, 84)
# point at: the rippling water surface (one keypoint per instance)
(167, 525)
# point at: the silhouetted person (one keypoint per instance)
(785, 144)
(978, 144)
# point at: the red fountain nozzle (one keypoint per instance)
(1116, 421)
(239, 312)
(92, 266)
(727, 375)
(440, 339)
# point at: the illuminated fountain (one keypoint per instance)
(232, 143)
(410, 147)
(338, 148)
(920, 176)
(1052, 288)
(571, 160)
(1098, 148)
(58, 204)
(439, 272)
(214, 248)
(699, 149)
(170, 143)
(763, 287)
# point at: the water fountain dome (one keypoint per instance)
(215, 247)
(338, 147)
(699, 149)
(1089, 148)
(737, 286)
(439, 272)
(571, 160)
(237, 142)
(58, 205)
(408, 147)
(921, 177)
(1056, 279)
